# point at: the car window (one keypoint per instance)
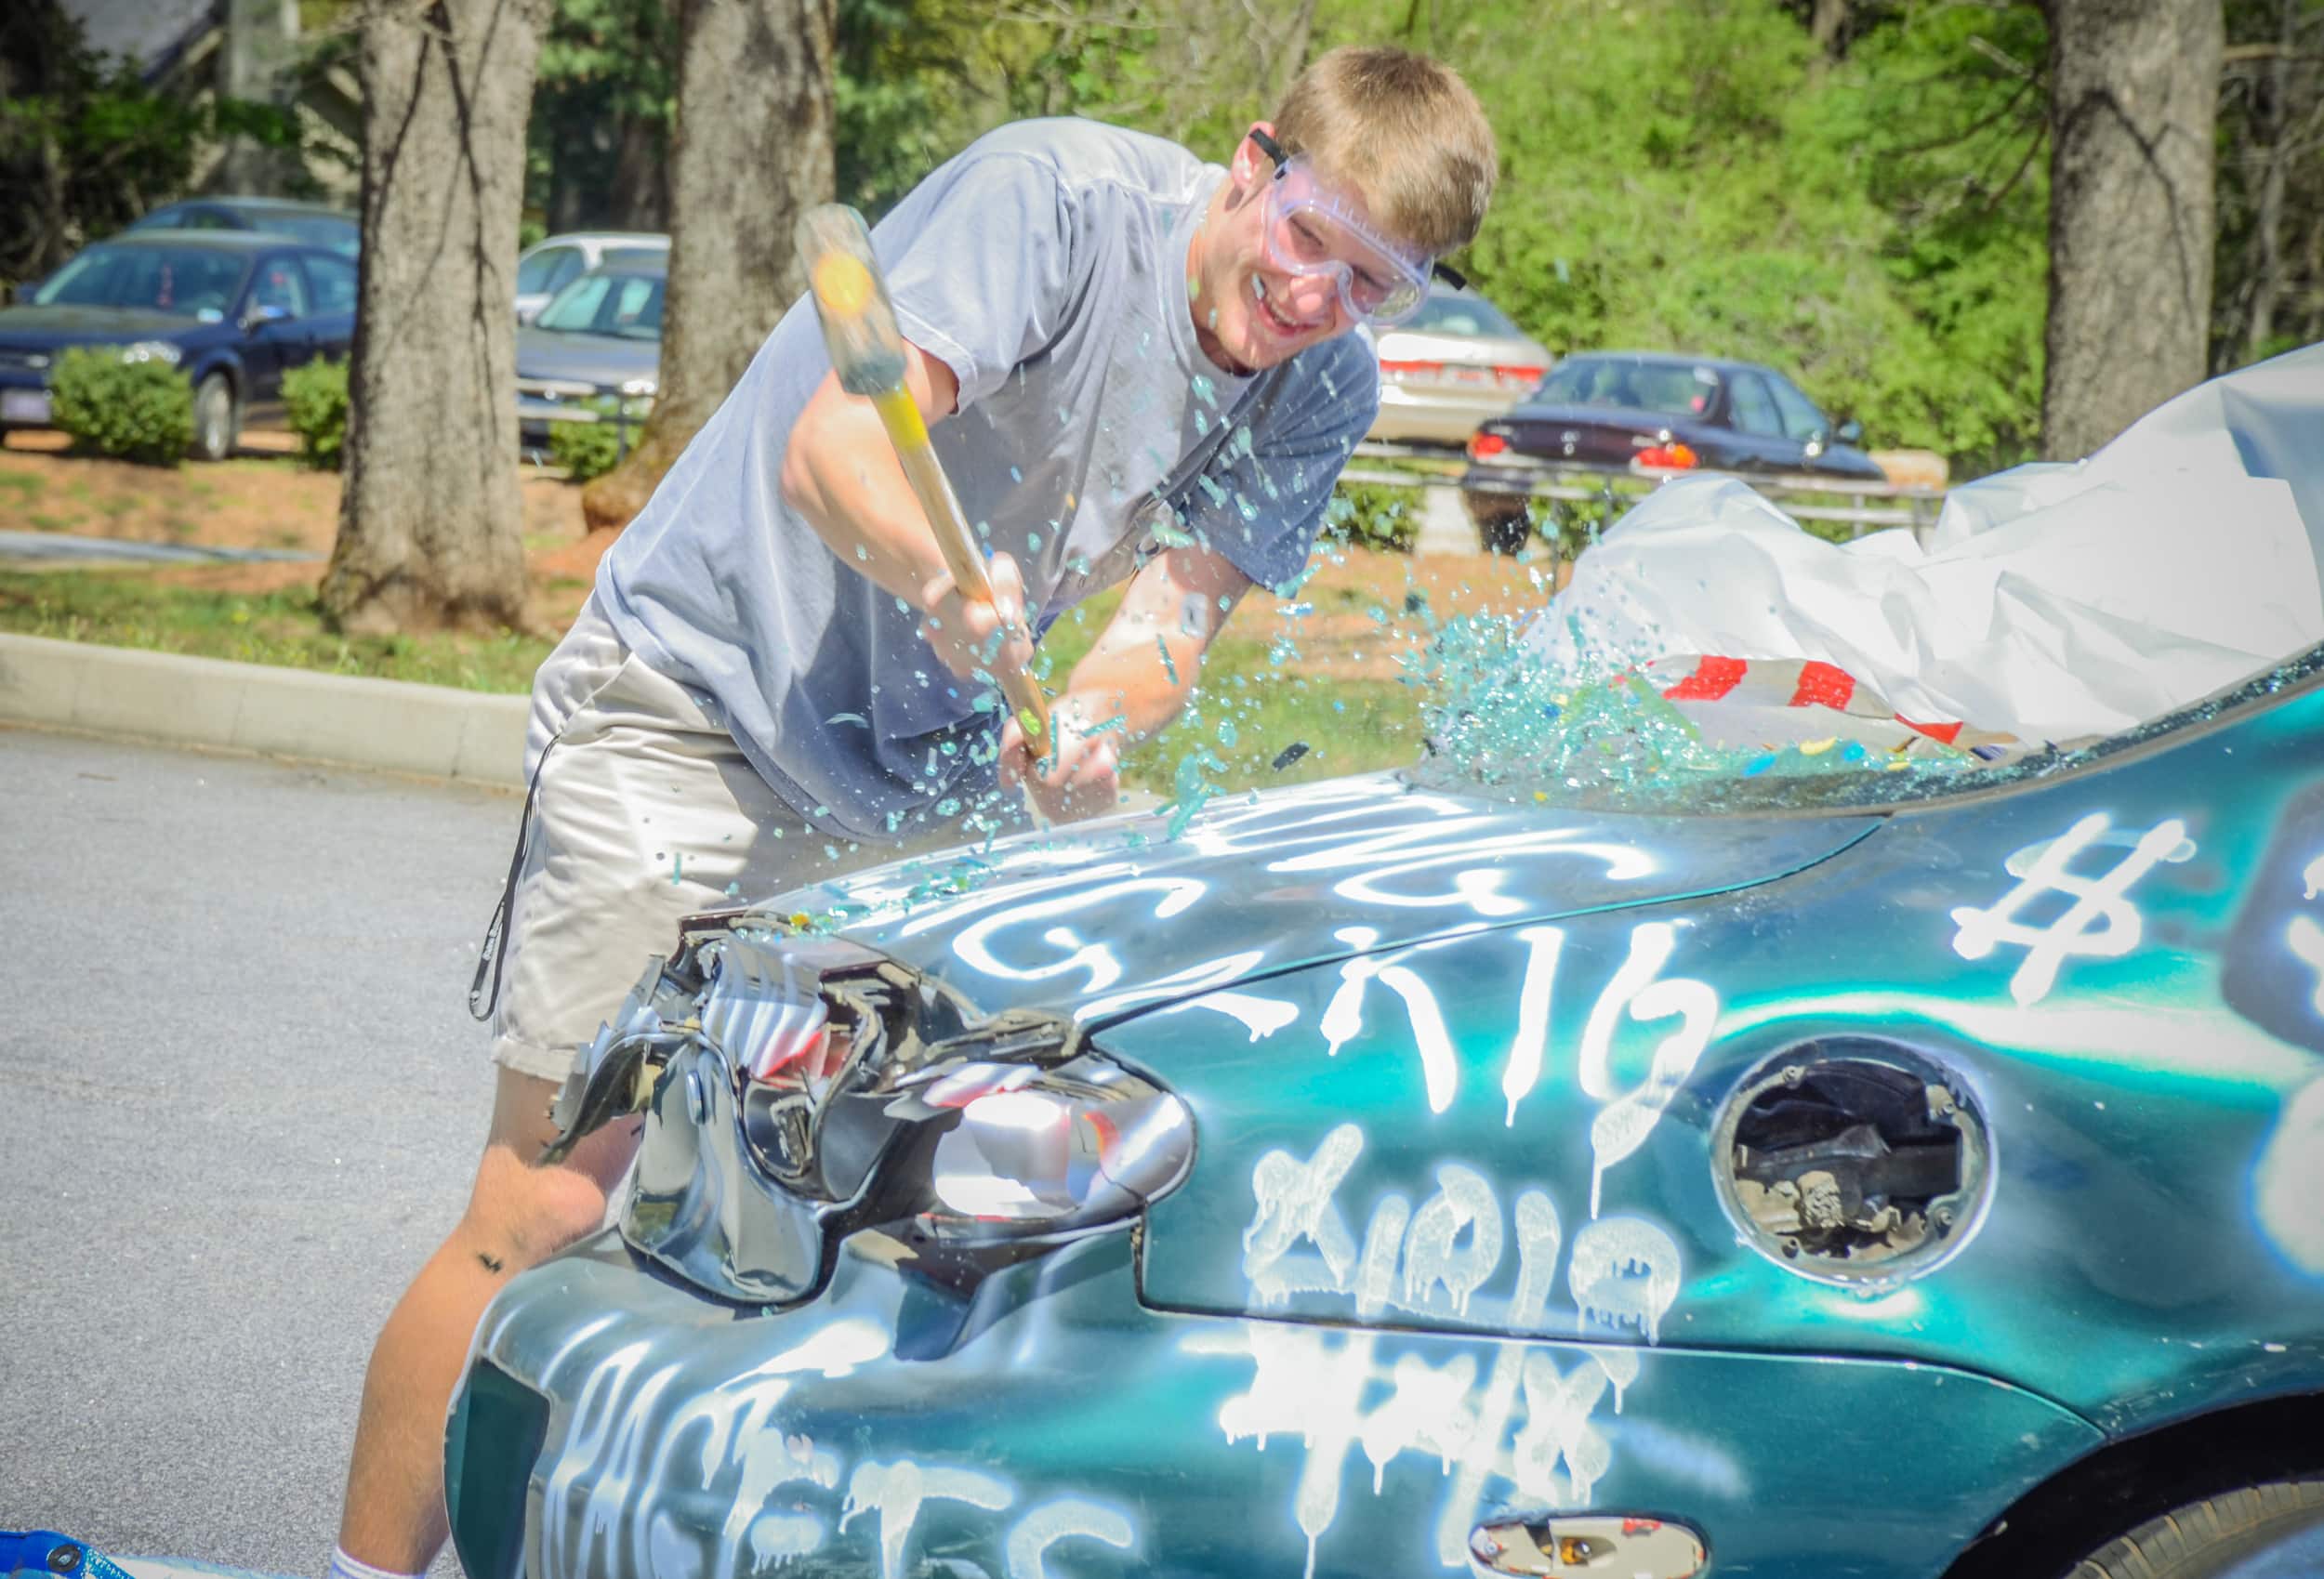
(209, 219)
(280, 284)
(317, 230)
(332, 282)
(1800, 419)
(640, 258)
(545, 270)
(1670, 388)
(162, 219)
(183, 282)
(627, 304)
(1457, 312)
(1754, 410)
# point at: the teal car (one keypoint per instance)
(1869, 1174)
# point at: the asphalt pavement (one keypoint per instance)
(240, 1100)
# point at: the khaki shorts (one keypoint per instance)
(643, 810)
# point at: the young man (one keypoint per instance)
(1134, 367)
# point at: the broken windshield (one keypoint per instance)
(1499, 721)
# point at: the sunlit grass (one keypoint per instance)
(272, 628)
(1254, 709)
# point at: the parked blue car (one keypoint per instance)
(1856, 1176)
(314, 223)
(234, 310)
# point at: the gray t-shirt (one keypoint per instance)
(1045, 265)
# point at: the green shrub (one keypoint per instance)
(589, 449)
(314, 398)
(138, 411)
(1374, 515)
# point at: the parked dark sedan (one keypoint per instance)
(1624, 410)
(311, 223)
(598, 339)
(234, 310)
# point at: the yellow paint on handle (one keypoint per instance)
(901, 416)
(842, 284)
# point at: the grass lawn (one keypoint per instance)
(1313, 678)
(126, 609)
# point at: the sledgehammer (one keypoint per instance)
(859, 326)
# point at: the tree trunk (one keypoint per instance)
(1828, 26)
(430, 521)
(641, 177)
(2274, 118)
(2133, 106)
(751, 151)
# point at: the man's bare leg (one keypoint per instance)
(519, 1214)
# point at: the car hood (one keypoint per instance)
(34, 328)
(1116, 915)
(587, 358)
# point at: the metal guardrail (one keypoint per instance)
(621, 416)
(1915, 509)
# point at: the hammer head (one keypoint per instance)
(859, 324)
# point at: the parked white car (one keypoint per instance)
(550, 265)
(1457, 363)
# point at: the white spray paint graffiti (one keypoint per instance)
(1295, 1203)
(896, 1491)
(1623, 1124)
(730, 1432)
(1624, 1271)
(1636, 992)
(2101, 902)
(1261, 1017)
(1066, 1519)
(1098, 960)
(2305, 937)
(1324, 1387)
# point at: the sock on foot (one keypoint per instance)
(345, 1567)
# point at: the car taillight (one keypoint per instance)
(1402, 370)
(1481, 445)
(1518, 377)
(1675, 457)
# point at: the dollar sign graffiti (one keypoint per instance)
(2100, 924)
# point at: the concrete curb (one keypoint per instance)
(393, 726)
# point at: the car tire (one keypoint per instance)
(1501, 519)
(216, 422)
(2228, 1535)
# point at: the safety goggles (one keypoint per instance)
(1308, 231)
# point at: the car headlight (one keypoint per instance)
(799, 1090)
(161, 351)
(640, 389)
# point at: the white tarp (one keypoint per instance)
(2052, 601)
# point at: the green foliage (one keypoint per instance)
(87, 146)
(590, 450)
(314, 398)
(1373, 514)
(605, 86)
(1690, 175)
(138, 411)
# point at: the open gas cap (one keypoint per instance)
(1603, 1544)
(1854, 1160)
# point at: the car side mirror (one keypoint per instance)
(1849, 432)
(258, 317)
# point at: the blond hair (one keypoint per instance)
(1405, 131)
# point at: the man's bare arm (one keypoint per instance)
(1145, 664)
(840, 473)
